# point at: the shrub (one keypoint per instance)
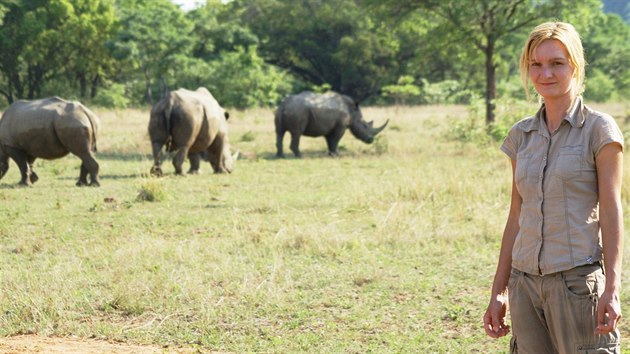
(151, 191)
(113, 96)
(599, 86)
(473, 128)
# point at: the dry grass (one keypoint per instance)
(390, 248)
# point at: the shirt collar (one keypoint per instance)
(575, 117)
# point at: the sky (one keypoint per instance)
(187, 5)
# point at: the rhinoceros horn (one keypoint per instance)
(379, 129)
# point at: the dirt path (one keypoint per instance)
(35, 344)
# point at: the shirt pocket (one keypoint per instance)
(569, 162)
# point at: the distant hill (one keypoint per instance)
(620, 7)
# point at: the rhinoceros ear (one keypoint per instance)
(227, 115)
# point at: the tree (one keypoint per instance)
(607, 48)
(403, 89)
(94, 24)
(153, 34)
(45, 39)
(482, 23)
(218, 28)
(324, 42)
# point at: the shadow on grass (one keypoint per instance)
(306, 155)
(119, 156)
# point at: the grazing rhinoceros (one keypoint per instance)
(191, 123)
(327, 115)
(48, 128)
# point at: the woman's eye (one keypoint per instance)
(535, 64)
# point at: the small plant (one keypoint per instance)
(151, 191)
(248, 136)
(381, 145)
(474, 129)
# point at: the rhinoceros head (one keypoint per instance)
(226, 165)
(361, 129)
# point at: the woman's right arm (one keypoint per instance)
(494, 319)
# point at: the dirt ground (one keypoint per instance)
(36, 344)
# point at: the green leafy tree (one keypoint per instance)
(404, 89)
(54, 39)
(95, 23)
(322, 42)
(153, 34)
(31, 39)
(244, 80)
(218, 28)
(482, 24)
(607, 47)
(225, 60)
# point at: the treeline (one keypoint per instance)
(254, 52)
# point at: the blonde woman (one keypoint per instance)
(560, 261)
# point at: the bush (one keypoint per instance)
(151, 191)
(599, 86)
(113, 96)
(447, 91)
(474, 129)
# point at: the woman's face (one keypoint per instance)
(551, 71)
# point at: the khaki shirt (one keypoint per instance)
(556, 178)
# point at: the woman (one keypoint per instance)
(560, 260)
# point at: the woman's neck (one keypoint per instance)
(555, 111)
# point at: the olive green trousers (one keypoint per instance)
(557, 313)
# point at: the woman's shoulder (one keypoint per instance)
(595, 114)
(526, 124)
(598, 118)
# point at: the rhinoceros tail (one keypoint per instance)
(94, 122)
(166, 115)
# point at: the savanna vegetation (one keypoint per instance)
(389, 248)
(252, 53)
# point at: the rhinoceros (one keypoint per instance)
(48, 128)
(326, 115)
(191, 123)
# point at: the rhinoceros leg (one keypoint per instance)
(33, 177)
(21, 159)
(88, 166)
(195, 159)
(332, 140)
(295, 144)
(279, 137)
(178, 160)
(4, 163)
(156, 169)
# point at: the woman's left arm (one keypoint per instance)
(609, 163)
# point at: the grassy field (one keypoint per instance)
(390, 248)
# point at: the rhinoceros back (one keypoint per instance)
(47, 128)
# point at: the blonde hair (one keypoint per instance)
(566, 34)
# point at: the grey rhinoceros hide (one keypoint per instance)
(190, 123)
(48, 128)
(327, 115)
